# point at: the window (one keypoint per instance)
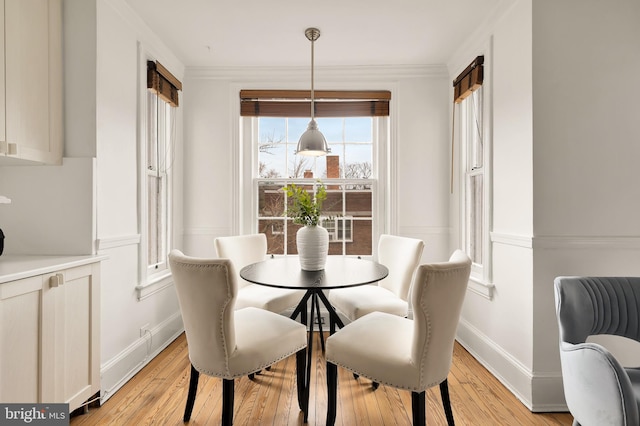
(160, 140)
(339, 228)
(469, 95)
(157, 145)
(347, 171)
(472, 135)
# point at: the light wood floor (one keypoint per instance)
(157, 395)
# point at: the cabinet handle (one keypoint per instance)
(56, 280)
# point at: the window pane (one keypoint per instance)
(154, 215)
(475, 218)
(152, 131)
(272, 130)
(275, 232)
(476, 133)
(270, 200)
(358, 162)
(297, 126)
(331, 128)
(362, 237)
(358, 129)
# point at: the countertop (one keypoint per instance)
(16, 267)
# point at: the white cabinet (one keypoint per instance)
(31, 81)
(49, 337)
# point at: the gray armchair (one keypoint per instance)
(598, 390)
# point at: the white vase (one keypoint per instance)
(313, 246)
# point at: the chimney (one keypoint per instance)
(333, 166)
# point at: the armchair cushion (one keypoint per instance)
(387, 343)
(356, 302)
(269, 298)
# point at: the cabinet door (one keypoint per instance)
(77, 372)
(33, 90)
(26, 341)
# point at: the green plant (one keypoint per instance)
(304, 208)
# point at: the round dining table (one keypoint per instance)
(339, 272)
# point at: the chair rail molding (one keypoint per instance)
(603, 242)
(515, 240)
(117, 241)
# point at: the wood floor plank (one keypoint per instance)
(157, 396)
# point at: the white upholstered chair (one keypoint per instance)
(403, 353)
(401, 255)
(243, 250)
(226, 342)
(598, 389)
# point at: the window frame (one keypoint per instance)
(249, 209)
(481, 273)
(155, 277)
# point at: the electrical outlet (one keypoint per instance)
(315, 321)
(144, 329)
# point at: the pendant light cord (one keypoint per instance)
(312, 91)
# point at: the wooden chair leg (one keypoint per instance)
(191, 396)
(446, 402)
(303, 396)
(418, 408)
(227, 402)
(332, 392)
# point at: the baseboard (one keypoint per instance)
(121, 368)
(540, 393)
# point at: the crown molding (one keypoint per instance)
(322, 73)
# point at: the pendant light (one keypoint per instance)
(312, 141)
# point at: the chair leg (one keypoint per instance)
(227, 402)
(191, 396)
(418, 408)
(303, 397)
(332, 392)
(446, 402)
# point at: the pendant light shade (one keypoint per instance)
(312, 141)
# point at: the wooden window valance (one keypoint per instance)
(469, 80)
(327, 103)
(163, 83)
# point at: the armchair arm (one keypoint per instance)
(597, 389)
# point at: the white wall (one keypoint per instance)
(419, 139)
(122, 40)
(565, 201)
(498, 330)
(586, 146)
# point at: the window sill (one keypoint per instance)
(154, 284)
(478, 286)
